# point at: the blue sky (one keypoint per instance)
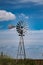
(30, 11)
(31, 8)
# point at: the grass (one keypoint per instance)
(10, 61)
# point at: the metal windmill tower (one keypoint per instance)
(20, 28)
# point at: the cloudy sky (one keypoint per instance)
(30, 11)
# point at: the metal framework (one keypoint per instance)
(21, 48)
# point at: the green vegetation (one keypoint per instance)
(9, 61)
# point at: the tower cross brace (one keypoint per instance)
(21, 49)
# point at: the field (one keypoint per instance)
(9, 61)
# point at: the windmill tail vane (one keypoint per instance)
(11, 26)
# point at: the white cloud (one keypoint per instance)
(37, 1)
(27, 17)
(24, 1)
(5, 16)
(22, 15)
(11, 37)
(34, 37)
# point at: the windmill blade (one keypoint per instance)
(11, 26)
(25, 26)
(21, 27)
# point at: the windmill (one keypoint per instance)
(21, 29)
